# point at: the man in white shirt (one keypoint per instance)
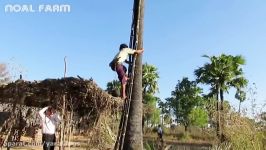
(160, 132)
(49, 121)
(117, 65)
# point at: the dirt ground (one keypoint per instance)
(78, 143)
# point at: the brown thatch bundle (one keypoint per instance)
(82, 96)
(84, 101)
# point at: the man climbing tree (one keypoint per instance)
(133, 137)
(130, 128)
(117, 65)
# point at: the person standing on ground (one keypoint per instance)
(160, 132)
(49, 121)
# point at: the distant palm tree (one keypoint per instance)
(222, 73)
(150, 78)
(241, 96)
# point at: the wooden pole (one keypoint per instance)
(62, 130)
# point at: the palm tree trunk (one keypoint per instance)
(133, 138)
(239, 106)
(143, 114)
(222, 115)
(185, 128)
(222, 99)
(163, 120)
(217, 112)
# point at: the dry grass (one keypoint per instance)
(242, 133)
(194, 135)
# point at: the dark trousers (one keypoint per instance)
(48, 141)
(160, 135)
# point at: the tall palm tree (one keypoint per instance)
(134, 136)
(150, 78)
(207, 75)
(222, 73)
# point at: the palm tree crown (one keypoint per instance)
(150, 78)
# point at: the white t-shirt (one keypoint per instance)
(48, 123)
(160, 131)
(123, 54)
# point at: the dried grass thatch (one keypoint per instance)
(85, 104)
(81, 95)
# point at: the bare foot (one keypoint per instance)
(127, 78)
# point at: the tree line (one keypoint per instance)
(188, 105)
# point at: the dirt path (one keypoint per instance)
(174, 144)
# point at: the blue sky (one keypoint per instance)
(176, 34)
